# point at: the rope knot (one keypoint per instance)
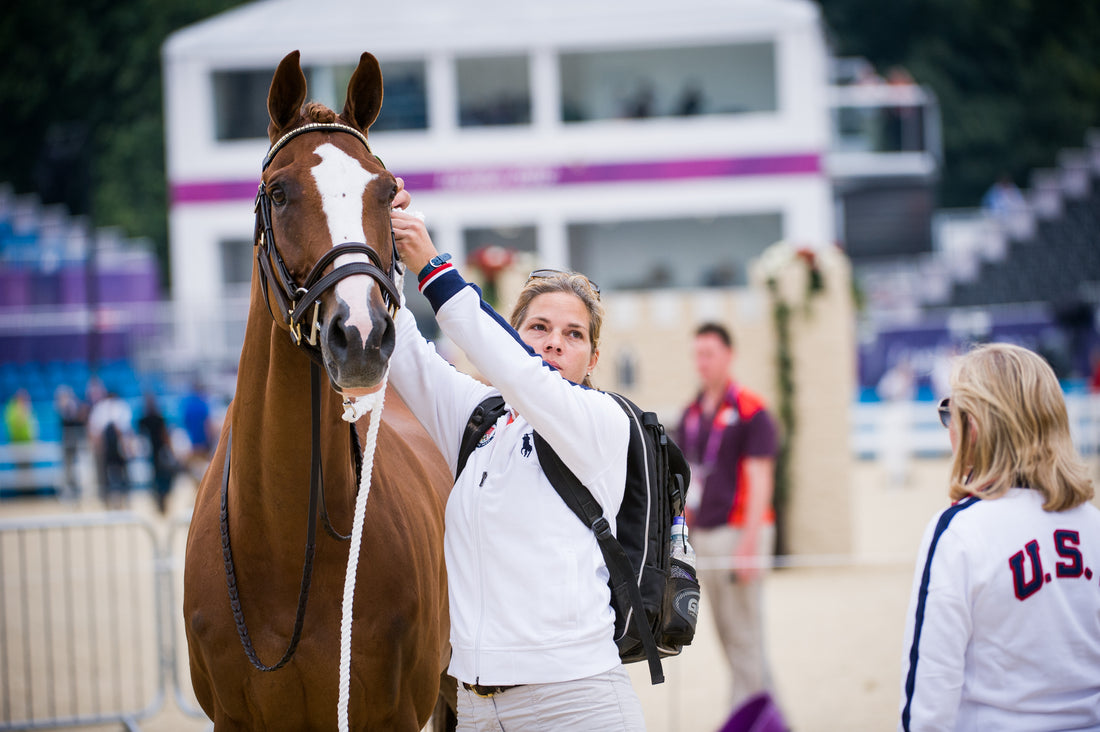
(356, 407)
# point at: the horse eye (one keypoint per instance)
(278, 195)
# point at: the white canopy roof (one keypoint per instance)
(262, 32)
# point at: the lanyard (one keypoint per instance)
(725, 415)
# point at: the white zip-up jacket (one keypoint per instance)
(1003, 630)
(528, 585)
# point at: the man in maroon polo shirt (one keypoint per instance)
(731, 442)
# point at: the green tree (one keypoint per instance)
(81, 90)
(1017, 80)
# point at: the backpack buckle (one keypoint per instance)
(676, 494)
(602, 529)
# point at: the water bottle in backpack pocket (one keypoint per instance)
(682, 590)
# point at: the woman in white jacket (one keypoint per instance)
(531, 621)
(1003, 631)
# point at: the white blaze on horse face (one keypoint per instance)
(341, 181)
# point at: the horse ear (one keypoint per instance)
(364, 93)
(287, 94)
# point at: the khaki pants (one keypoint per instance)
(737, 607)
(600, 703)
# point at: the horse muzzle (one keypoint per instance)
(356, 348)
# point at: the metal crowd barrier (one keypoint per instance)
(91, 631)
(85, 635)
(178, 662)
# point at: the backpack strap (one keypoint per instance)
(588, 510)
(483, 417)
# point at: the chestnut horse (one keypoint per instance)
(262, 586)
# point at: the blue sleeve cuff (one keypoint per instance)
(441, 284)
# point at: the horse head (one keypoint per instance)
(328, 265)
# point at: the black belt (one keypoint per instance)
(487, 691)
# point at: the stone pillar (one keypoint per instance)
(822, 353)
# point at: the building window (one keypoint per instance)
(240, 97)
(240, 104)
(405, 97)
(672, 253)
(668, 82)
(493, 91)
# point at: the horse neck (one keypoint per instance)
(271, 420)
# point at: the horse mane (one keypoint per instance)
(317, 112)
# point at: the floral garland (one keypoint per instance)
(775, 260)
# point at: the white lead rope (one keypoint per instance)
(353, 410)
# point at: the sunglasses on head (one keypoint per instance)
(548, 272)
(945, 411)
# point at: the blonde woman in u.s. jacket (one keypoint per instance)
(1003, 630)
(531, 621)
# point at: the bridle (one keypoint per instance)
(295, 301)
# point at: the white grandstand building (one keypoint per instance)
(648, 144)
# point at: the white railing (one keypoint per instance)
(921, 430)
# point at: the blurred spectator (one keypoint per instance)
(19, 418)
(21, 424)
(1003, 197)
(867, 76)
(155, 428)
(1092, 442)
(899, 76)
(1094, 376)
(73, 417)
(691, 100)
(896, 389)
(903, 123)
(1005, 203)
(200, 428)
(94, 393)
(110, 428)
(640, 104)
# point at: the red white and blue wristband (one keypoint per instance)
(436, 266)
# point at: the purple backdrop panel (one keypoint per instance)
(73, 285)
(134, 284)
(925, 344)
(45, 288)
(15, 287)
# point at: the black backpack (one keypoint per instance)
(656, 607)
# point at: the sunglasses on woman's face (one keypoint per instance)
(538, 273)
(945, 411)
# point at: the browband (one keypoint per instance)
(312, 127)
